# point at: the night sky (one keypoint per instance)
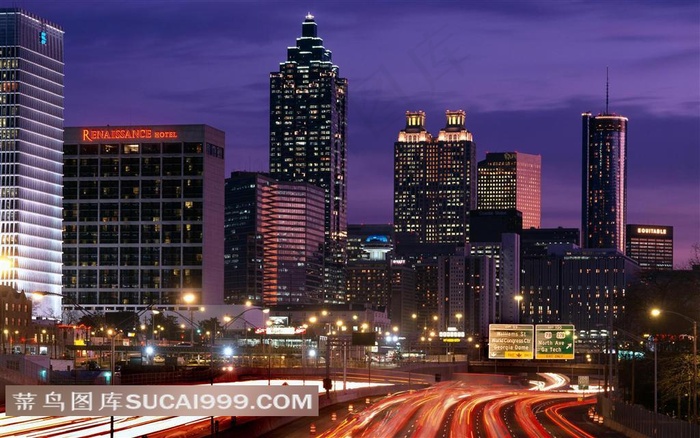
(523, 70)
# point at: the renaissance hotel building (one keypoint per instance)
(143, 216)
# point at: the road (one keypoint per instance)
(457, 410)
(453, 409)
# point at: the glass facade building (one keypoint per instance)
(274, 240)
(434, 185)
(143, 216)
(308, 122)
(511, 180)
(604, 200)
(31, 162)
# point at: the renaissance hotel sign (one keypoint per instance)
(92, 135)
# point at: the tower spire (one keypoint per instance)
(607, 90)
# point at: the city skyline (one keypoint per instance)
(532, 67)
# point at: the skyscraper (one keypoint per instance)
(308, 121)
(511, 180)
(604, 185)
(274, 240)
(143, 216)
(651, 246)
(292, 227)
(31, 161)
(434, 182)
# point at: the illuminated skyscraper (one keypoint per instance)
(274, 241)
(31, 156)
(308, 110)
(511, 180)
(434, 182)
(604, 200)
(651, 246)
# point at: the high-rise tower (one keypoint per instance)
(274, 240)
(31, 161)
(434, 182)
(308, 107)
(511, 180)
(604, 200)
(143, 216)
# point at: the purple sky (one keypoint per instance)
(523, 70)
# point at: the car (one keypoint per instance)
(184, 344)
(158, 359)
(91, 365)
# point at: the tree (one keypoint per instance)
(675, 378)
(678, 291)
(170, 328)
(211, 325)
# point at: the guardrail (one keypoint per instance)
(636, 421)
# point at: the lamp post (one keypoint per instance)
(694, 388)
(656, 377)
(519, 299)
(189, 299)
(153, 321)
(111, 333)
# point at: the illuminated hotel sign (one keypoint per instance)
(661, 231)
(125, 134)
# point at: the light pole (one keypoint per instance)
(694, 388)
(153, 321)
(656, 376)
(189, 299)
(111, 333)
(519, 299)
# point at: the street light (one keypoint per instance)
(189, 299)
(519, 299)
(153, 321)
(694, 388)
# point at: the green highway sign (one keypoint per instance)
(511, 341)
(554, 341)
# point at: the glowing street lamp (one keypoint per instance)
(189, 298)
(519, 299)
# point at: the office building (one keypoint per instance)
(31, 142)
(466, 293)
(15, 319)
(496, 234)
(604, 185)
(274, 241)
(434, 181)
(375, 279)
(534, 242)
(584, 287)
(243, 247)
(143, 216)
(363, 236)
(308, 128)
(511, 180)
(651, 246)
(292, 228)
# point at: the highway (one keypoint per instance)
(458, 409)
(452, 409)
(124, 427)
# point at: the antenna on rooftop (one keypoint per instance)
(607, 90)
